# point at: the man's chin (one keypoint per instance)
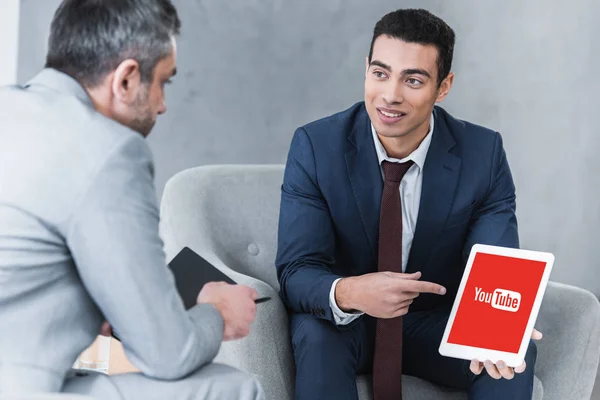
(391, 133)
(143, 129)
(146, 132)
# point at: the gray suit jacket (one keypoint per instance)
(79, 243)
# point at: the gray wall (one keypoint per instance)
(251, 71)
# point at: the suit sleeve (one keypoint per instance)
(114, 240)
(306, 240)
(495, 221)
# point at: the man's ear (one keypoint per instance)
(127, 81)
(445, 87)
(366, 66)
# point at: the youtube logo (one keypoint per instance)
(501, 299)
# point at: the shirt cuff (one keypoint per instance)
(340, 317)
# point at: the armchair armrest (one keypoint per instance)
(48, 396)
(568, 353)
(266, 353)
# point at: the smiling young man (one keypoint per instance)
(380, 207)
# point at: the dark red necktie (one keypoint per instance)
(387, 364)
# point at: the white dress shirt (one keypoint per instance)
(410, 193)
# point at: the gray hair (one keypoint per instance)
(90, 38)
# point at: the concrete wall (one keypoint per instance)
(9, 40)
(251, 71)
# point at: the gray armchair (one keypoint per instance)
(42, 396)
(228, 214)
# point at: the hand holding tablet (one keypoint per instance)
(496, 307)
(500, 369)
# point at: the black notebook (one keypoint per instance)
(192, 272)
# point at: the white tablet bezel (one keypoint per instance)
(482, 354)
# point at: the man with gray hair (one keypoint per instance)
(79, 240)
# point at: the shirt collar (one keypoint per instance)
(418, 156)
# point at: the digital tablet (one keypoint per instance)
(497, 304)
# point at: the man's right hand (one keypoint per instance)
(236, 305)
(382, 294)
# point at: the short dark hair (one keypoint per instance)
(422, 27)
(90, 38)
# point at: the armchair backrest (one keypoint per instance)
(231, 211)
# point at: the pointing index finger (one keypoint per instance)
(425, 287)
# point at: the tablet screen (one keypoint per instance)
(496, 302)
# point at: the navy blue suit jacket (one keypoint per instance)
(331, 195)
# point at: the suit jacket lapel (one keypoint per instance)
(440, 178)
(365, 177)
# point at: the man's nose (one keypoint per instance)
(394, 93)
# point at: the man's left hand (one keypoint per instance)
(500, 369)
